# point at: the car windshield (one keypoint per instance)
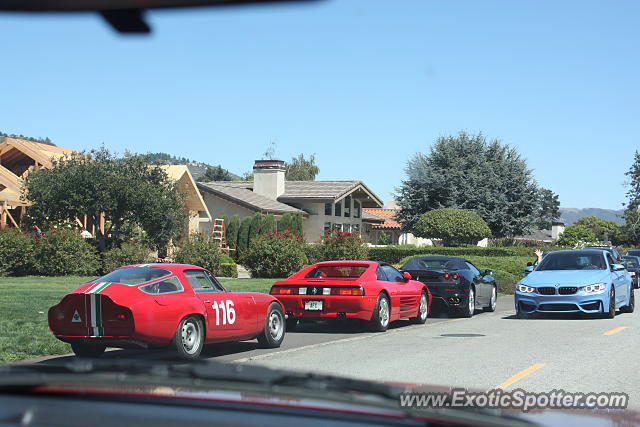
(337, 272)
(432, 264)
(572, 261)
(631, 262)
(134, 275)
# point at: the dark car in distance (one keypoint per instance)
(455, 283)
(632, 264)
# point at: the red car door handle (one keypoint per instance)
(207, 302)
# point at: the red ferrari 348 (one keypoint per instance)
(366, 290)
(156, 305)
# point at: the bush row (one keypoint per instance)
(61, 252)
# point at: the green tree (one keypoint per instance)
(268, 224)
(216, 173)
(604, 230)
(630, 231)
(286, 222)
(243, 235)
(232, 235)
(453, 226)
(384, 237)
(255, 227)
(548, 208)
(127, 190)
(575, 234)
(468, 172)
(301, 169)
(298, 224)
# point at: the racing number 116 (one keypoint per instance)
(228, 313)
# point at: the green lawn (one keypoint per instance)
(24, 302)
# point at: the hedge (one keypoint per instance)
(228, 270)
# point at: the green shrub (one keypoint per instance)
(64, 252)
(228, 269)
(232, 235)
(395, 254)
(243, 236)
(453, 226)
(275, 255)
(255, 227)
(576, 234)
(126, 254)
(16, 253)
(201, 250)
(337, 245)
(313, 251)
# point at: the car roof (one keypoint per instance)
(438, 257)
(588, 250)
(350, 262)
(174, 268)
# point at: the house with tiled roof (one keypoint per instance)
(325, 205)
(390, 226)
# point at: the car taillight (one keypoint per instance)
(455, 276)
(348, 291)
(449, 276)
(277, 290)
(60, 315)
(122, 316)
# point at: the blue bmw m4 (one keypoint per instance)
(575, 281)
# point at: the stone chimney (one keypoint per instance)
(268, 178)
(557, 228)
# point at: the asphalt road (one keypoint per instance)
(489, 350)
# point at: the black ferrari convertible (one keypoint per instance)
(455, 283)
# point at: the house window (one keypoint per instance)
(347, 206)
(356, 209)
(328, 209)
(327, 227)
(346, 228)
(355, 228)
(337, 227)
(339, 209)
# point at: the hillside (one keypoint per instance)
(571, 215)
(196, 168)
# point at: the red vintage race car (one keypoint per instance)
(365, 290)
(156, 305)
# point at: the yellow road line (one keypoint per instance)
(520, 375)
(614, 330)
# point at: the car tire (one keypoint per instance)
(612, 304)
(632, 303)
(381, 314)
(273, 332)
(188, 340)
(492, 302)
(470, 309)
(423, 310)
(291, 324)
(88, 350)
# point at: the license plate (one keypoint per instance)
(313, 305)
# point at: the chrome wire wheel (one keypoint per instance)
(276, 325)
(494, 298)
(191, 336)
(383, 312)
(472, 302)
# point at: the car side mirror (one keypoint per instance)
(406, 276)
(617, 267)
(488, 273)
(528, 269)
(529, 264)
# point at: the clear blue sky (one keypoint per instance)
(362, 84)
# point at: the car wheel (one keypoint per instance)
(189, 338)
(423, 310)
(88, 350)
(381, 314)
(612, 304)
(291, 324)
(471, 305)
(632, 303)
(274, 327)
(492, 302)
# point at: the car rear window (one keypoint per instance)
(134, 275)
(630, 262)
(337, 272)
(437, 263)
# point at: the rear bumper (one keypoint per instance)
(116, 341)
(350, 307)
(448, 296)
(562, 304)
